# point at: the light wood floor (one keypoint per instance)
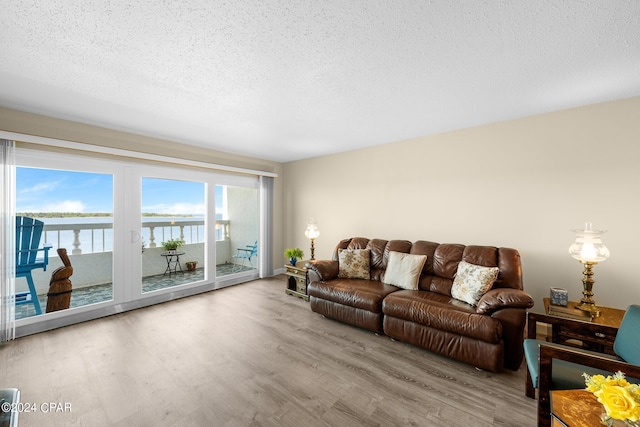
(249, 355)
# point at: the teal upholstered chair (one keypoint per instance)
(558, 367)
(28, 257)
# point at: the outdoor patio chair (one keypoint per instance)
(243, 254)
(28, 235)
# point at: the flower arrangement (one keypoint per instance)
(620, 398)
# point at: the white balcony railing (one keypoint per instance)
(93, 237)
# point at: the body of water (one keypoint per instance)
(97, 239)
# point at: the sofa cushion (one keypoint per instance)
(445, 260)
(472, 281)
(354, 263)
(443, 313)
(403, 270)
(358, 293)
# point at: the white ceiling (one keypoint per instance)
(286, 80)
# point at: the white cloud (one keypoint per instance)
(41, 187)
(64, 206)
(175, 209)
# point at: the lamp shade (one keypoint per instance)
(312, 231)
(588, 247)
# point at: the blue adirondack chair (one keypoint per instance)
(28, 234)
(246, 254)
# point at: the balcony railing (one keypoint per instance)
(93, 237)
(90, 245)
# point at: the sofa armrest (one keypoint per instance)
(497, 299)
(322, 270)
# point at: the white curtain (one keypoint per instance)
(7, 240)
(265, 250)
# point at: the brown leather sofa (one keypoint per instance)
(488, 336)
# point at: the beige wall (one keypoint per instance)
(31, 124)
(523, 183)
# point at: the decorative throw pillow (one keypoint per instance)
(403, 270)
(354, 263)
(472, 281)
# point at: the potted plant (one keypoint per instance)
(172, 245)
(293, 254)
(191, 265)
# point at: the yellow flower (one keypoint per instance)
(594, 382)
(618, 402)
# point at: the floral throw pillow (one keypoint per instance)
(472, 281)
(354, 263)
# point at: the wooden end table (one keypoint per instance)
(575, 408)
(597, 334)
(297, 280)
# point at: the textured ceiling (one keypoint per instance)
(287, 80)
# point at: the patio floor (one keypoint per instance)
(104, 292)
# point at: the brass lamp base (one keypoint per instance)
(313, 255)
(587, 303)
(592, 309)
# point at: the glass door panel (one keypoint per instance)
(76, 209)
(237, 230)
(173, 233)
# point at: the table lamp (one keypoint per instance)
(589, 250)
(312, 233)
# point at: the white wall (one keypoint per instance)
(523, 183)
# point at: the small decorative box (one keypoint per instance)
(559, 296)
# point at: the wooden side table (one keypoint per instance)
(596, 334)
(575, 408)
(297, 280)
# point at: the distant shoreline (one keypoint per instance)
(90, 214)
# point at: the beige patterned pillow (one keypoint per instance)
(354, 263)
(472, 281)
(403, 270)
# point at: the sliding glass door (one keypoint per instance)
(173, 233)
(136, 234)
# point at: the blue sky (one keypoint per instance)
(172, 197)
(46, 190)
